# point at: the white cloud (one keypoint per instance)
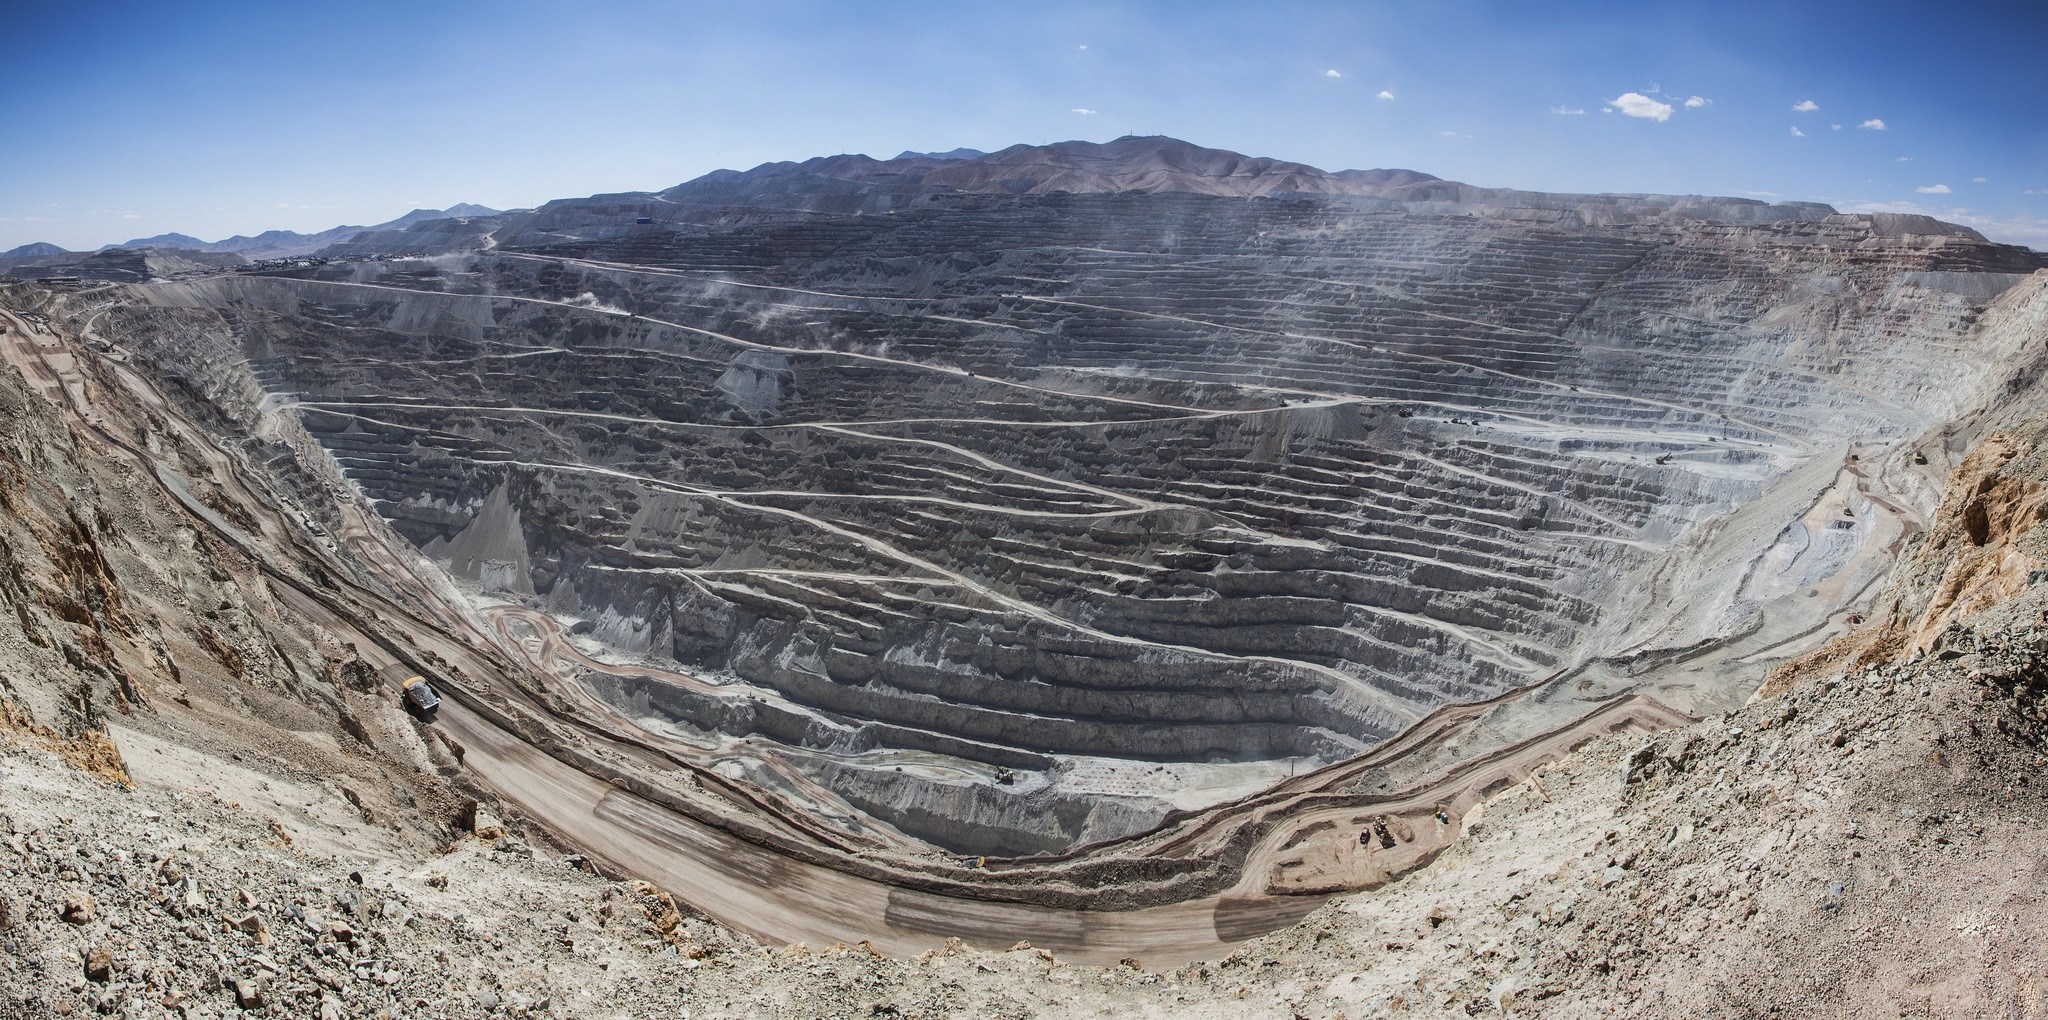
(1635, 104)
(2035, 191)
(1834, 127)
(1450, 134)
(1762, 194)
(1805, 106)
(1083, 111)
(1333, 73)
(1935, 189)
(1873, 124)
(40, 219)
(1568, 111)
(1384, 94)
(1979, 180)
(1903, 159)
(1083, 46)
(131, 215)
(1796, 133)
(1695, 102)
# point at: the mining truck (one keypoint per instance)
(419, 695)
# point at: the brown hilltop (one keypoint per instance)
(1143, 163)
(1132, 163)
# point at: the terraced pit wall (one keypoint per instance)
(1141, 497)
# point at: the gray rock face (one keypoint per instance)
(116, 265)
(429, 234)
(756, 383)
(1025, 482)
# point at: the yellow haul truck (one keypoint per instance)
(420, 697)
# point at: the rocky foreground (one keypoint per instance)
(1865, 843)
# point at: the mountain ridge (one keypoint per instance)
(855, 184)
(1149, 163)
(287, 243)
(33, 249)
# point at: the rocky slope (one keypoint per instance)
(130, 600)
(123, 265)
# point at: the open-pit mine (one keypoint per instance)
(1120, 547)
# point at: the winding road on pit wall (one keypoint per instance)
(1307, 848)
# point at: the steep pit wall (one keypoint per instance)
(1269, 490)
(1982, 547)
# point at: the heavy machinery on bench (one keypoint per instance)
(420, 697)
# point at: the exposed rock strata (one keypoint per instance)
(1170, 477)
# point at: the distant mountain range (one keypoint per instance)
(32, 250)
(860, 185)
(960, 153)
(843, 185)
(273, 244)
(1151, 163)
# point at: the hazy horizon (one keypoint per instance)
(237, 120)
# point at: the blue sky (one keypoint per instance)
(124, 120)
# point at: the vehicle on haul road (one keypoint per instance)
(419, 695)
